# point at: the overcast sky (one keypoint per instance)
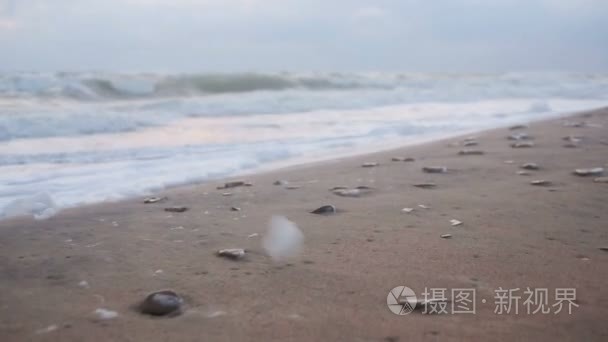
(273, 35)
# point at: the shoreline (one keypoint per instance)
(286, 165)
(512, 235)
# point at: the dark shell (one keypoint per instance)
(162, 303)
(324, 210)
(176, 209)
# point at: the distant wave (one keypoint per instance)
(116, 86)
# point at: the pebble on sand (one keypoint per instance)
(446, 236)
(470, 143)
(407, 210)
(356, 192)
(434, 169)
(403, 159)
(541, 182)
(522, 144)
(471, 152)
(370, 164)
(162, 303)
(280, 182)
(596, 171)
(235, 209)
(325, 210)
(176, 209)
(232, 253)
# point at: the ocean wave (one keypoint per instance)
(116, 86)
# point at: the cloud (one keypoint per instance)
(235, 35)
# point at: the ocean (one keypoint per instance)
(68, 139)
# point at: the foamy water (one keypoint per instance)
(73, 138)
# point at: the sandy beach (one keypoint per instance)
(513, 235)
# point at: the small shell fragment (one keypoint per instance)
(151, 200)
(470, 143)
(455, 222)
(407, 210)
(403, 159)
(435, 169)
(519, 136)
(325, 210)
(530, 166)
(541, 182)
(105, 314)
(370, 164)
(522, 144)
(426, 185)
(232, 253)
(570, 145)
(176, 209)
(471, 152)
(596, 171)
(516, 127)
(292, 187)
(280, 182)
(233, 184)
(446, 236)
(523, 173)
(424, 206)
(235, 209)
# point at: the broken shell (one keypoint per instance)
(151, 200)
(523, 173)
(435, 169)
(515, 127)
(325, 210)
(530, 166)
(280, 182)
(573, 138)
(235, 209)
(227, 194)
(292, 187)
(105, 314)
(176, 209)
(371, 164)
(470, 143)
(601, 180)
(232, 253)
(471, 152)
(403, 159)
(407, 210)
(233, 184)
(426, 185)
(541, 182)
(338, 188)
(424, 206)
(605, 249)
(455, 222)
(446, 236)
(520, 136)
(162, 303)
(570, 145)
(522, 144)
(596, 171)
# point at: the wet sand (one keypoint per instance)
(513, 235)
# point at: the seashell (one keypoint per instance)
(596, 171)
(151, 200)
(162, 303)
(470, 143)
(407, 210)
(455, 223)
(176, 209)
(516, 127)
(426, 185)
(325, 210)
(233, 184)
(232, 253)
(370, 164)
(280, 182)
(403, 159)
(446, 236)
(520, 136)
(530, 166)
(435, 169)
(235, 209)
(541, 182)
(522, 144)
(471, 152)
